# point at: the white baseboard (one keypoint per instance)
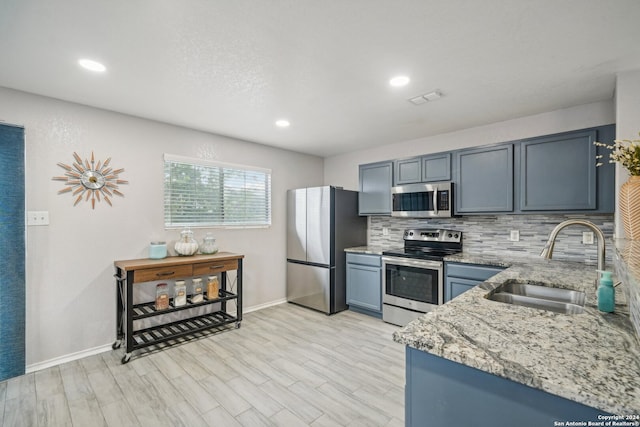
(107, 347)
(265, 305)
(67, 358)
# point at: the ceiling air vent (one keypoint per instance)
(423, 99)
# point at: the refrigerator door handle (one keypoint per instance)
(313, 264)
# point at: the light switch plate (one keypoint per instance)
(38, 218)
(514, 236)
(587, 238)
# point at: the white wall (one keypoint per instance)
(627, 123)
(70, 285)
(343, 169)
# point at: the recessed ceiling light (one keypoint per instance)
(399, 81)
(282, 123)
(92, 65)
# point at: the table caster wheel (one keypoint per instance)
(116, 345)
(126, 358)
(237, 325)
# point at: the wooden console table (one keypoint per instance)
(131, 272)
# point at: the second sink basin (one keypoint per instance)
(544, 292)
(559, 300)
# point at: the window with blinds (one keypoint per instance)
(199, 192)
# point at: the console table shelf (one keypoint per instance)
(132, 272)
(148, 309)
(180, 328)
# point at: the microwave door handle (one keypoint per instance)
(435, 201)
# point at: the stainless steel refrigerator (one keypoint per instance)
(321, 223)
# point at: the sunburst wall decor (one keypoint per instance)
(90, 181)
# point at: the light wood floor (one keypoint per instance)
(286, 366)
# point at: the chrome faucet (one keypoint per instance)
(547, 252)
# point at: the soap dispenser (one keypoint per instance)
(606, 293)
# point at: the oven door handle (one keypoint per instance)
(409, 262)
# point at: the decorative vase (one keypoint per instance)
(187, 245)
(629, 205)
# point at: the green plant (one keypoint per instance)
(623, 151)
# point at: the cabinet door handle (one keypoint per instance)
(215, 267)
(166, 273)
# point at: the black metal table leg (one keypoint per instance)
(119, 310)
(223, 286)
(129, 316)
(239, 292)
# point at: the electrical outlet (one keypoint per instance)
(38, 218)
(587, 238)
(514, 236)
(385, 231)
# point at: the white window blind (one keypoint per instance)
(205, 193)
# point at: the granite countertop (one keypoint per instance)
(592, 358)
(370, 250)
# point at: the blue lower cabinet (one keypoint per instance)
(459, 278)
(364, 283)
(440, 392)
(456, 286)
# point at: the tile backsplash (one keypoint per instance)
(490, 234)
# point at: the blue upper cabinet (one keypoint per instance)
(407, 171)
(484, 179)
(376, 180)
(552, 173)
(435, 167)
(558, 172)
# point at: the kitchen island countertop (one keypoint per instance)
(592, 358)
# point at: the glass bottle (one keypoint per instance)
(162, 296)
(180, 294)
(197, 291)
(213, 287)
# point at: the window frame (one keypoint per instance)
(219, 167)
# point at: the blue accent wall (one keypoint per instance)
(12, 248)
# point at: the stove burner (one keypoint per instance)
(424, 253)
(430, 244)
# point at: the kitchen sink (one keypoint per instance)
(559, 300)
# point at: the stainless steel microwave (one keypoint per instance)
(422, 200)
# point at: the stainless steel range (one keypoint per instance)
(413, 276)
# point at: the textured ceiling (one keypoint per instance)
(234, 67)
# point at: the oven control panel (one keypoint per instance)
(433, 235)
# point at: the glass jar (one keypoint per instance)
(179, 294)
(196, 296)
(162, 296)
(209, 245)
(213, 287)
(157, 250)
(187, 245)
